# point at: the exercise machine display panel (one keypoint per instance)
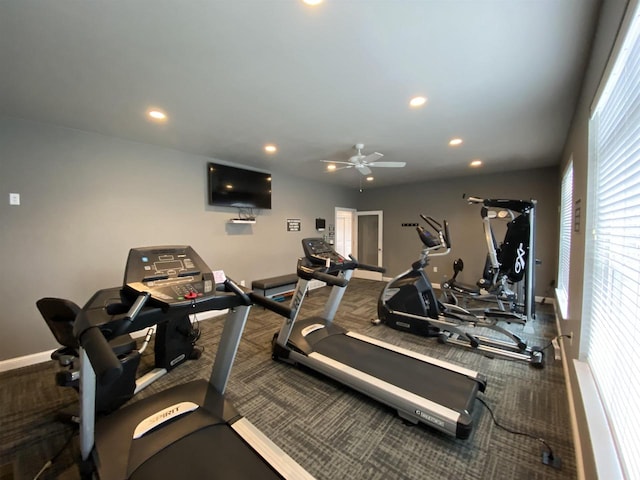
(173, 275)
(319, 252)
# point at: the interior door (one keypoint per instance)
(369, 242)
(345, 226)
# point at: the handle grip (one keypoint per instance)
(104, 362)
(330, 279)
(277, 307)
(309, 273)
(474, 200)
(371, 268)
(233, 287)
(133, 312)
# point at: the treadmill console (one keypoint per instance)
(172, 275)
(320, 252)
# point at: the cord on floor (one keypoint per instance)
(52, 460)
(548, 458)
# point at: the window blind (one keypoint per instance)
(612, 270)
(564, 255)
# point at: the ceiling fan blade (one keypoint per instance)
(336, 161)
(341, 168)
(372, 157)
(363, 169)
(387, 164)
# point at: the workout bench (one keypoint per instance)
(275, 287)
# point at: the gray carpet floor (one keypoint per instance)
(332, 431)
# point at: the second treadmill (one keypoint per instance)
(422, 389)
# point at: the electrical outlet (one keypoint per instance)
(435, 269)
(14, 199)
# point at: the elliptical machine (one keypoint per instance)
(509, 273)
(409, 303)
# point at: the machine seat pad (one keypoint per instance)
(273, 282)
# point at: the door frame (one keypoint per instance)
(366, 273)
(354, 238)
(337, 224)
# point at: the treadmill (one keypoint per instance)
(422, 389)
(190, 430)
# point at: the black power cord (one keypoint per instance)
(548, 458)
(52, 460)
(565, 335)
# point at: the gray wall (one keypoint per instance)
(87, 199)
(443, 199)
(610, 19)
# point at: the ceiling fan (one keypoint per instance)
(362, 162)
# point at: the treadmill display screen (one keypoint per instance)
(172, 275)
(318, 251)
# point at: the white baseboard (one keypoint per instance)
(25, 361)
(40, 357)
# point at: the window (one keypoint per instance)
(612, 269)
(564, 256)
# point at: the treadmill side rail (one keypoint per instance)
(274, 455)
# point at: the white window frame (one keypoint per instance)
(611, 300)
(566, 229)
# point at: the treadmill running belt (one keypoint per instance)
(211, 453)
(442, 386)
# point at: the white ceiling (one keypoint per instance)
(233, 75)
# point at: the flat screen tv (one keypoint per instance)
(238, 187)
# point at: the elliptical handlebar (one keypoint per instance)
(473, 199)
(447, 235)
(441, 230)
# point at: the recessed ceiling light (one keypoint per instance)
(331, 166)
(417, 101)
(312, 3)
(454, 142)
(475, 163)
(270, 148)
(369, 179)
(157, 114)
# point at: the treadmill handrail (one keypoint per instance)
(364, 266)
(270, 304)
(308, 273)
(233, 287)
(104, 361)
(133, 312)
